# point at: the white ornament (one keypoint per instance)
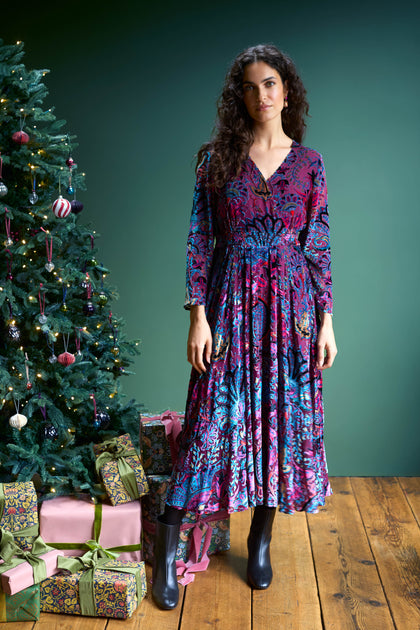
(61, 207)
(18, 421)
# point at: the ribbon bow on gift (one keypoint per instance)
(96, 558)
(173, 428)
(117, 451)
(12, 555)
(193, 564)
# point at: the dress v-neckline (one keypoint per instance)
(293, 145)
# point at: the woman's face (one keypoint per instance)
(263, 91)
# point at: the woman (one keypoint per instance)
(259, 292)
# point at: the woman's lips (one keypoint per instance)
(262, 108)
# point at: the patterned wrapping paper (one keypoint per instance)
(23, 606)
(153, 506)
(115, 592)
(155, 451)
(111, 476)
(20, 511)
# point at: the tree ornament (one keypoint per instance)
(70, 162)
(9, 241)
(20, 137)
(13, 332)
(33, 197)
(66, 358)
(77, 342)
(61, 207)
(88, 308)
(3, 187)
(64, 305)
(18, 420)
(101, 419)
(102, 298)
(50, 432)
(42, 318)
(76, 206)
(28, 382)
(70, 191)
(49, 265)
(52, 358)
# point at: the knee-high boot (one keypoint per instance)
(165, 585)
(259, 571)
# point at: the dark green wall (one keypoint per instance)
(138, 84)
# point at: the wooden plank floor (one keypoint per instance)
(353, 566)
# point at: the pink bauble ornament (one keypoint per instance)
(61, 207)
(66, 358)
(20, 137)
(70, 162)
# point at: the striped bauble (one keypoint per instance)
(61, 207)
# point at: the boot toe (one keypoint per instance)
(165, 598)
(260, 580)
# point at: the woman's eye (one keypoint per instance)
(270, 83)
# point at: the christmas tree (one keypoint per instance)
(62, 350)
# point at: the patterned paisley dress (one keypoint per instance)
(258, 258)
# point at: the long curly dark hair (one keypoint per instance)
(233, 131)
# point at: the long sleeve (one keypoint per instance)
(315, 240)
(200, 242)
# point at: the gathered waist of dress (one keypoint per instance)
(251, 240)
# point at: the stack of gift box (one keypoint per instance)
(74, 556)
(200, 535)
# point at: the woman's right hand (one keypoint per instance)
(199, 338)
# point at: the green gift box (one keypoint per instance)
(19, 512)
(120, 468)
(22, 606)
(108, 588)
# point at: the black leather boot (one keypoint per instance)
(259, 571)
(165, 585)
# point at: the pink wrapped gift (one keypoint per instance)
(65, 521)
(20, 577)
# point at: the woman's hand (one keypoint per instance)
(199, 338)
(326, 348)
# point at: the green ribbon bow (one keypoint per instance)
(14, 555)
(31, 530)
(96, 558)
(116, 451)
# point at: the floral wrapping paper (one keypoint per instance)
(155, 452)
(153, 505)
(111, 478)
(115, 592)
(20, 511)
(22, 606)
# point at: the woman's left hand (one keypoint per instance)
(326, 347)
